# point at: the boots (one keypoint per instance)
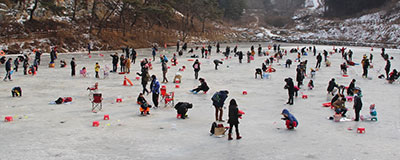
(238, 136)
(230, 137)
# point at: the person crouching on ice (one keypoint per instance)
(182, 108)
(144, 106)
(291, 121)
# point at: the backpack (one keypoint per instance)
(215, 97)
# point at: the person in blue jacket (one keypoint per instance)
(291, 121)
(155, 89)
(154, 52)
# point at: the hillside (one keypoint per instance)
(72, 25)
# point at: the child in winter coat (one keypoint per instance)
(311, 84)
(144, 106)
(291, 121)
(97, 69)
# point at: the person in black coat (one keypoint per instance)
(299, 77)
(290, 87)
(133, 56)
(203, 86)
(350, 89)
(16, 92)
(233, 119)
(8, 69)
(357, 105)
(115, 61)
(332, 84)
(240, 56)
(73, 65)
(319, 60)
(365, 67)
(53, 56)
(145, 79)
(387, 68)
(217, 63)
(196, 67)
(182, 108)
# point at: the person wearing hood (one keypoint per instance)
(182, 108)
(291, 121)
(155, 89)
(332, 84)
(233, 120)
(357, 103)
(218, 100)
(203, 87)
(290, 87)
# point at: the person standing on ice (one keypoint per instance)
(196, 67)
(240, 56)
(319, 60)
(209, 49)
(145, 78)
(299, 76)
(73, 65)
(164, 69)
(97, 69)
(218, 47)
(387, 68)
(365, 64)
(8, 68)
(325, 55)
(218, 100)
(177, 46)
(291, 121)
(114, 61)
(259, 50)
(290, 87)
(155, 89)
(233, 120)
(122, 63)
(133, 56)
(314, 50)
(357, 103)
(154, 52)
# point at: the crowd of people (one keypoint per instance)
(272, 55)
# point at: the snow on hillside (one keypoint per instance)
(380, 27)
